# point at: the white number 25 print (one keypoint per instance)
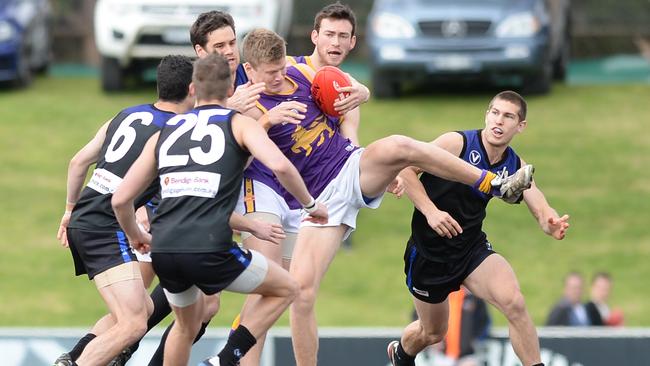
(200, 129)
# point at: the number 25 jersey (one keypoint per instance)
(200, 166)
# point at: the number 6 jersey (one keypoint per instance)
(126, 136)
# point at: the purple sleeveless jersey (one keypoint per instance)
(315, 146)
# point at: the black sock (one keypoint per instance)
(538, 364)
(404, 358)
(158, 356)
(201, 331)
(239, 342)
(81, 344)
(161, 307)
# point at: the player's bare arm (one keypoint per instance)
(260, 229)
(137, 179)
(245, 96)
(548, 219)
(253, 137)
(142, 217)
(440, 221)
(285, 112)
(350, 125)
(77, 171)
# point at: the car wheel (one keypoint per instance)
(24, 75)
(561, 64)
(112, 75)
(383, 87)
(539, 83)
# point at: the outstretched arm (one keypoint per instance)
(548, 219)
(77, 170)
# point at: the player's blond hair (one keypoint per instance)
(263, 46)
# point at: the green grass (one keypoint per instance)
(589, 144)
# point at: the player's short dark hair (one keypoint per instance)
(514, 98)
(207, 23)
(336, 11)
(211, 77)
(174, 75)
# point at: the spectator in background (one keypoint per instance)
(570, 311)
(598, 310)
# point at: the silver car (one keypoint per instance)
(524, 43)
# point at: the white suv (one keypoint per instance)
(133, 35)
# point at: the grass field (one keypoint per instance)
(590, 145)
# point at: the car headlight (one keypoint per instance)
(7, 31)
(518, 25)
(387, 25)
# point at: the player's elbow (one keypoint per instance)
(280, 167)
(119, 200)
(78, 164)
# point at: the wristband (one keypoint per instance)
(311, 206)
(67, 212)
(477, 185)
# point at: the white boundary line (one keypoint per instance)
(354, 332)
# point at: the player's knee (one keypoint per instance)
(134, 327)
(305, 297)
(399, 147)
(514, 306)
(293, 289)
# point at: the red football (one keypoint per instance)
(323, 88)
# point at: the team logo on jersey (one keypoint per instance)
(104, 181)
(474, 157)
(503, 173)
(317, 132)
(197, 184)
